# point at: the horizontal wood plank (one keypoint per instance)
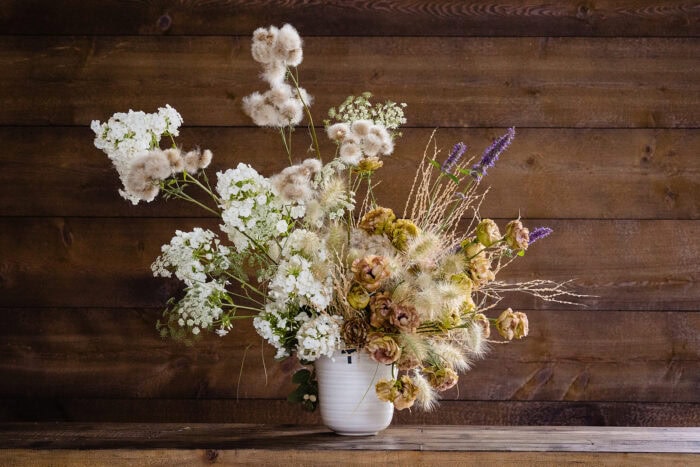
(278, 411)
(388, 18)
(105, 262)
(547, 173)
(313, 438)
(482, 82)
(569, 356)
(255, 458)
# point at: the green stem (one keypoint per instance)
(312, 127)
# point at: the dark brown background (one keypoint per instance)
(606, 99)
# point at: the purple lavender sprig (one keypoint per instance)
(490, 156)
(456, 154)
(539, 233)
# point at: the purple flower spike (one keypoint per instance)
(538, 233)
(456, 154)
(490, 156)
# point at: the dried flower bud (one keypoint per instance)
(370, 271)
(354, 332)
(487, 232)
(368, 165)
(402, 232)
(483, 322)
(383, 349)
(408, 360)
(517, 236)
(512, 325)
(378, 221)
(441, 379)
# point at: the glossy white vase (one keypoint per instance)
(347, 399)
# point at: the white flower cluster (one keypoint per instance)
(319, 336)
(201, 305)
(127, 136)
(301, 277)
(282, 105)
(279, 326)
(250, 209)
(360, 139)
(388, 114)
(191, 256)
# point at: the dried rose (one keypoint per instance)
(403, 231)
(408, 392)
(441, 379)
(378, 221)
(370, 271)
(517, 237)
(408, 360)
(381, 308)
(357, 296)
(512, 325)
(386, 390)
(487, 232)
(354, 332)
(404, 317)
(383, 349)
(480, 271)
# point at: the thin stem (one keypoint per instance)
(312, 127)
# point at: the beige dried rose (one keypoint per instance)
(404, 317)
(512, 325)
(370, 271)
(381, 307)
(487, 232)
(403, 231)
(517, 237)
(407, 393)
(383, 349)
(441, 379)
(378, 221)
(480, 271)
(408, 360)
(386, 390)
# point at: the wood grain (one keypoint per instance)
(591, 173)
(388, 18)
(315, 438)
(482, 82)
(278, 411)
(569, 356)
(254, 458)
(105, 262)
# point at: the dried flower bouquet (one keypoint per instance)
(333, 268)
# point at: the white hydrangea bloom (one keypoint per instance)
(250, 210)
(191, 255)
(278, 325)
(319, 336)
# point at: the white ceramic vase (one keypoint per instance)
(348, 402)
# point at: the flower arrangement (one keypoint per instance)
(313, 258)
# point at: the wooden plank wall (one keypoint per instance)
(606, 99)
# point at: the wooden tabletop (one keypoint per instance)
(247, 444)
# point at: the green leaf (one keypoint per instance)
(434, 163)
(452, 177)
(302, 376)
(297, 395)
(521, 253)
